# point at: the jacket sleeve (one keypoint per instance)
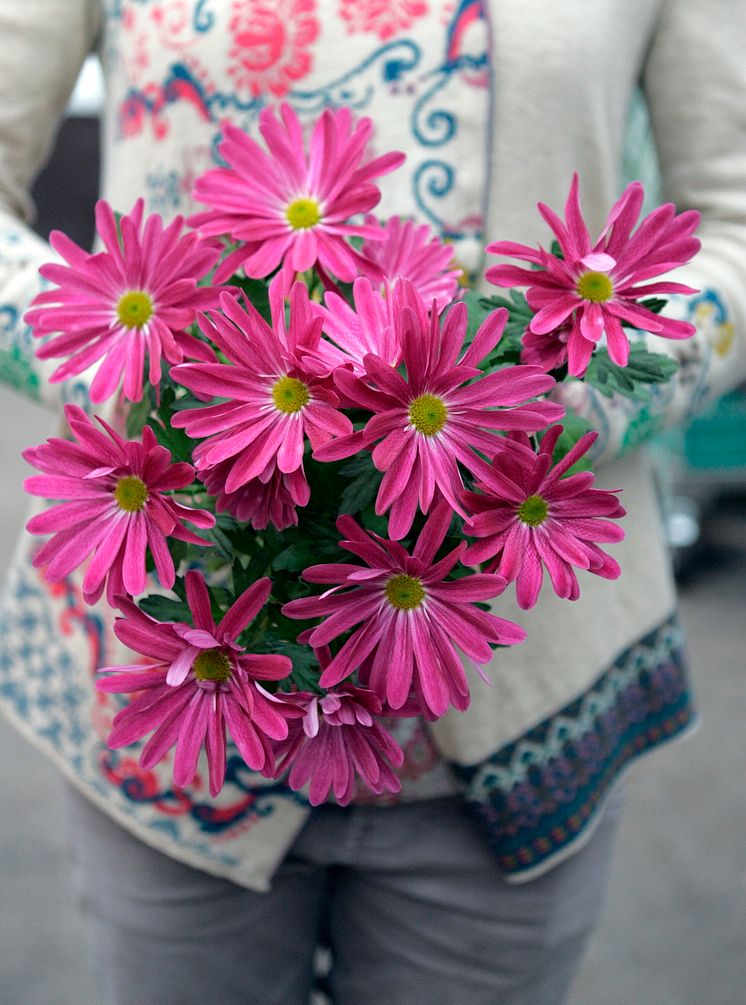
(694, 80)
(44, 44)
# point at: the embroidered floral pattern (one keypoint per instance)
(381, 17)
(47, 628)
(271, 44)
(173, 23)
(422, 66)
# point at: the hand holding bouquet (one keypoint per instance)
(369, 454)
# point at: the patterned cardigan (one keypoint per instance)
(496, 104)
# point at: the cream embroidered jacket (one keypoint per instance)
(496, 103)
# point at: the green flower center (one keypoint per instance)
(595, 286)
(212, 664)
(533, 511)
(290, 395)
(405, 592)
(131, 494)
(303, 213)
(134, 309)
(428, 414)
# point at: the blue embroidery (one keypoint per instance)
(436, 178)
(115, 9)
(431, 99)
(164, 191)
(536, 795)
(203, 20)
(393, 61)
(436, 127)
(76, 392)
(51, 695)
(700, 389)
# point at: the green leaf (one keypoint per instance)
(165, 608)
(654, 304)
(296, 558)
(138, 415)
(363, 488)
(633, 381)
(258, 566)
(174, 440)
(346, 289)
(221, 543)
(257, 293)
(241, 579)
(508, 349)
(652, 367)
(479, 308)
(306, 671)
(220, 600)
(573, 428)
(178, 551)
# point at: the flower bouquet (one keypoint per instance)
(333, 457)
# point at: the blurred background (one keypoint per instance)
(674, 930)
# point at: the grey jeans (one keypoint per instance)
(408, 899)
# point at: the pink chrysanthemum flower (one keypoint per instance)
(411, 619)
(354, 332)
(549, 350)
(274, 402)
(292, 206)
(530, 517)
(200, 684)
(133, 300)
(271, 498)
(435, 419)
(337, 740)
(597, 286)
(115, 507)
(411, 251)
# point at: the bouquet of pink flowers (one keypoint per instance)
(334, 455)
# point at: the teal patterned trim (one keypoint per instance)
(537, 795)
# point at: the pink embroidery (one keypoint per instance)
(175, 31)
(271, 43)
(129, 17)
(466, 38)
(381, 17)
(174, 24)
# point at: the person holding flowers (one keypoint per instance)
(370, 644)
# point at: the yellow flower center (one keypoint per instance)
(212, 664)
(131, 494)
(290, 395)
(595, 286)
(428, 414)
(134, 309)
(533, 511)
(405, 592)
(303, 213)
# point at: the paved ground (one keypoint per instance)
(674, 932)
